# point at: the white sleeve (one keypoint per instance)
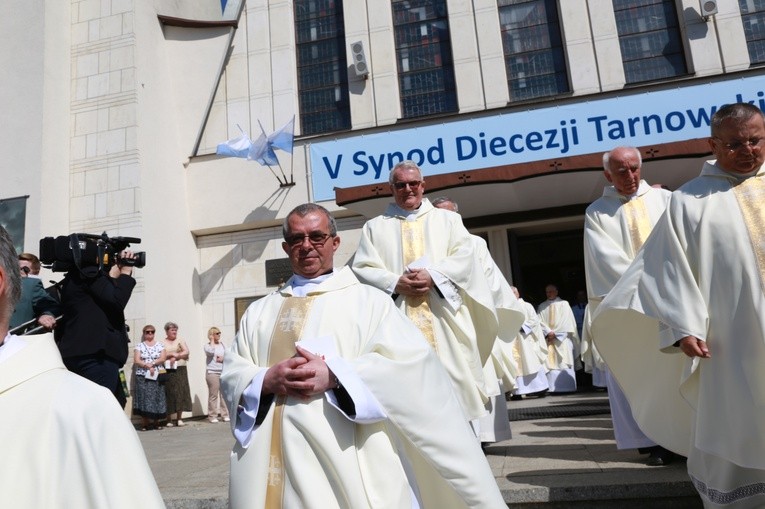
(247, 412)
(368, 409)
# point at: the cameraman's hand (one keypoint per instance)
(47, 321)
(118, 268)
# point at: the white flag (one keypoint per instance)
(236, 147)
(261, 152)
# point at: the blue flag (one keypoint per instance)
(282, 138)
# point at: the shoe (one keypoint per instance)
(659, 457)
(226, 419)
(214, 420)
(180, 423)
(516, 397)
(169, 424)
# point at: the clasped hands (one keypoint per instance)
(414, 283)
(303, 376)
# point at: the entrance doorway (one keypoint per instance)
(541, 259)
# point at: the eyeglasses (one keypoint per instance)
(149, 332)
(752, 143)
(414, 184)
(315, 238)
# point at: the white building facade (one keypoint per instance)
(113, 110)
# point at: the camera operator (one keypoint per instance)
(92, 337)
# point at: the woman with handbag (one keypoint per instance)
(149, 395)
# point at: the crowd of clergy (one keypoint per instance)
(375, 384)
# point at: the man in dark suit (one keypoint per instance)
(91, 337)
(35, 302)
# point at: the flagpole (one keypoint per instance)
(275, 175)
(285, 183)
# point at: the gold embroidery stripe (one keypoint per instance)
(412, 241)
(517, 354)
(417, 308)
(639, 223)
(275, 487)
(552, 352)
(750, 195)
(288, 329)
(418, 311)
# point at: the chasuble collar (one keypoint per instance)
(711, 169)
(336, 280)
(38, 356)
(394, 210)
(611, 192)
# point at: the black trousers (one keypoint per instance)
(101, 370)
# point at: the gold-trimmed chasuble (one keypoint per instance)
(287, 331)
(552, 357)
(638, 223)
(417, 307)
(750, 195)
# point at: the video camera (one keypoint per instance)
(81, 250)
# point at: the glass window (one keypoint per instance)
(533, 46)
(649, 37)
(321, 66)
(424, 54)
(753, 16)
(13, 216)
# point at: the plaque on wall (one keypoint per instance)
(240, 306)
(278, 271)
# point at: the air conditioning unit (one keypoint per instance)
(708, 8)
(360, 66)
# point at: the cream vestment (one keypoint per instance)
(459, 317)
(502, 365)
(701, 273)
(406, 443)
(529, 348)
(75, 447)
(556, 316)
(615, 228)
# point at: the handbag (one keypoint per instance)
(161, 375)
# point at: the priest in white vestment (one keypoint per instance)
(559, 327)
(425, 259)
(529, 348)
(691, 307)
(502, 365)
(615, 227)
(339, 402)
(66, 441)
